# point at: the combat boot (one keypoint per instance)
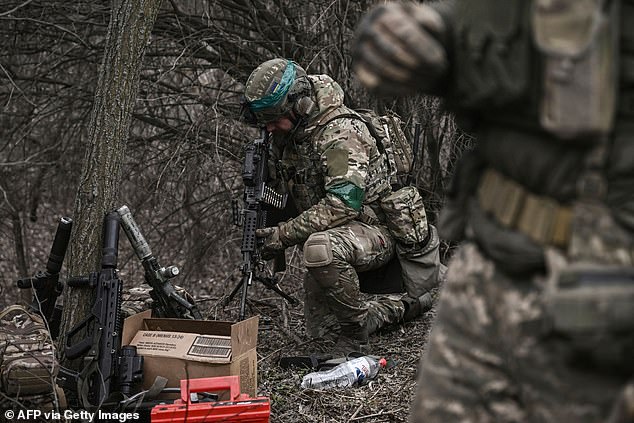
(353, 338)
(414, 307)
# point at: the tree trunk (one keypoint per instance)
(129, 31)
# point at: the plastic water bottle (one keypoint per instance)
(349, 373)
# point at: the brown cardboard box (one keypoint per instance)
(185, 349)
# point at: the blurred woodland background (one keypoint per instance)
(183, 154)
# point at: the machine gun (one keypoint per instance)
(46, 283)
(167, 302)
(107, 368)
(258, 198)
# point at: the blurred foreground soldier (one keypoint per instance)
(327, 160)
(536, 320)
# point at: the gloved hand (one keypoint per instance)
(272, 243)
(397, 49)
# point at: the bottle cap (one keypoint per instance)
(382, 362)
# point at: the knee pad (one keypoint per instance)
(318, 250)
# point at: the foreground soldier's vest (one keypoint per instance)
(548, 86)
(27, 357)
(535, 134)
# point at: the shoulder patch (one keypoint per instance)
(337, 161)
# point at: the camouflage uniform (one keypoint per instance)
(547, 190)
(324, 165)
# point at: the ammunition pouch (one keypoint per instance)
(591, 306)
(420, 266)
(417, 242)
(405, 216)
(306, 188)
(578, 40)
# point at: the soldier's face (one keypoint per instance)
(281, 125)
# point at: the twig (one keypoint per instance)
(380, 413)
(354, 415)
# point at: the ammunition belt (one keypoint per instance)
(542, 219)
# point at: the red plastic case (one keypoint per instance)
(240, 407)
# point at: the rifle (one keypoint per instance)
(46, 283)
(107, 367)
(167, 302)
(258, 197)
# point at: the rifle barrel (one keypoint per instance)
(60, 245)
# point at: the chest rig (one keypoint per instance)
(300, 167)
(304, 167)
(575, 45)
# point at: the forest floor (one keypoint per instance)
(386, 398)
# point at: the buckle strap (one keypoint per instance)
(542, 219)
(368, 216)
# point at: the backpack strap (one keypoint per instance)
(353, 115)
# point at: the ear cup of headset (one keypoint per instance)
(304, 106)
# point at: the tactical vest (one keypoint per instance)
(533, 151)
(303, 169)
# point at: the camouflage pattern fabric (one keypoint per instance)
(343, 151)
(135, 300)
(315, 161)
(27, 355)
(138, 299)
(558, 136)
(332, 291)
(489, 362)
(405, 215)
(337, 177)
(42, 402)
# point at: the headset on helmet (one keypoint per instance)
(274, 89)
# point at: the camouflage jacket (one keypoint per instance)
(331, 168)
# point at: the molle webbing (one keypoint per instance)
(542, 219)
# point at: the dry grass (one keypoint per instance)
(387, 398)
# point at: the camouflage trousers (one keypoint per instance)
(332, 295)
(487, 359)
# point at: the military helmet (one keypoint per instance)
(272, 88)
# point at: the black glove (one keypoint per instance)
(272, 243)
